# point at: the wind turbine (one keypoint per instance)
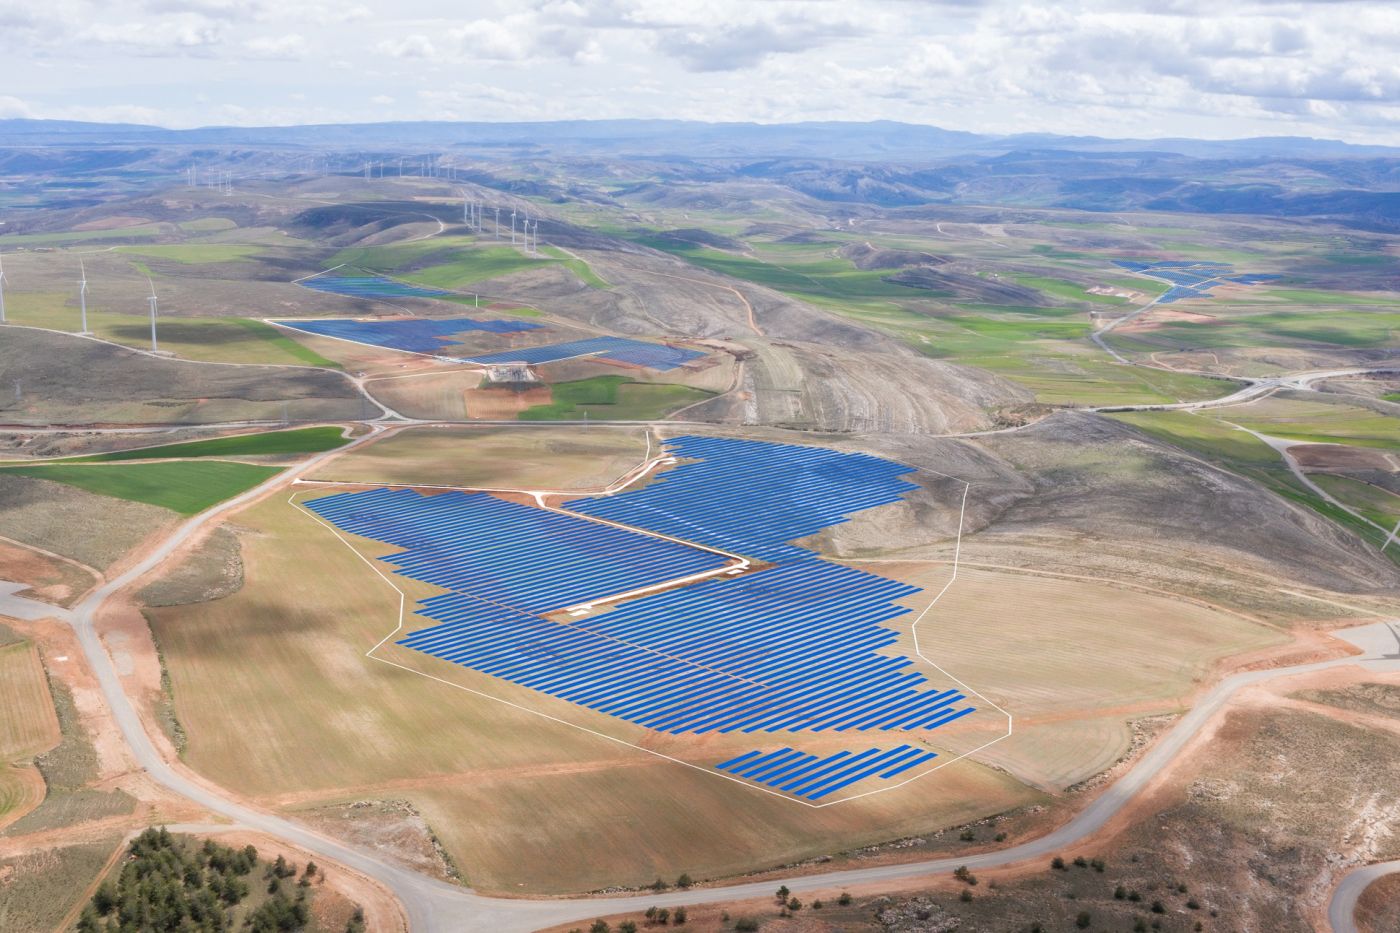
(498, 223)
(2, 292)
(512, 228)
(152, 300)
(82, 294)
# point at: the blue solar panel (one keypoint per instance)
(616, 349)
(1191, 279)
(369, 286)
(417, 335)
(808, 776)
(487, 550)
(801, 645)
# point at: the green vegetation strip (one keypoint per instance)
(300, 441)
(612, 397)
(183, 486)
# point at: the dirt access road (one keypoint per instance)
(431, 905)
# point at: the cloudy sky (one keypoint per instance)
(1207, 68)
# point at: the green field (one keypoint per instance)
(195, 253)
(272, 443)
(213, 339)
(1245, 455)
(613, 398)
(1379, 505)
(1317, 422)
(182, 486)
(578, 267)
(440, 262)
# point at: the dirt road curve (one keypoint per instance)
(432, 905)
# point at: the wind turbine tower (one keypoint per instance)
(2, 292)
(512, 228)
(152, 300)
(82, 294)
(498, 223)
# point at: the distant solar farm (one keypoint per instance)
(725, 626)
(416, 335)
(432, 335)
(369, 286)
(1192, 279)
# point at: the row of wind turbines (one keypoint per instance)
(82, 301)
(530, 231)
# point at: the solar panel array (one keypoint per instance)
(804, 775)
(752, 497)
(617, 349)
(495, 554)
(369, 286)
(417, 335)
(799, 646)
(1191, 279)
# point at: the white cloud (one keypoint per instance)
(290, 47)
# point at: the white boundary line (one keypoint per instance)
(942, 763)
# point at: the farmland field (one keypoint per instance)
(28, 726)
(264, 444)
(614, 398)
(1072, 709)
(494, 457)
(186, 487)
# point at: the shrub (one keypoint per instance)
(783, 893)
(1057, 863)
(1000, 837)
(794, 905)
(967, 835)
(1193, 904)
(844, 899)
(1158, 907)
(962, 874)
(679, 917)
(600, 926)
(1120, 893)
(1079, 862)
(627, 926)
(966, 895)
(684, 881)
(817, 905)
(746, 925)
(1083, 920)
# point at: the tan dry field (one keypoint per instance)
(279, 701)
(28, 726)
(494, 457)
(1073, 661)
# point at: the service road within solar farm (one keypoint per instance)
(670, 608)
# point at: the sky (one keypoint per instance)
(1200, 68)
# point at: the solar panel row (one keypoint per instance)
(804, 775)
(617, 349)
(369, 286)
(751, 497)
(523, 558)
(417, 335)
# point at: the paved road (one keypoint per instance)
(432, 905)
(1341, 911)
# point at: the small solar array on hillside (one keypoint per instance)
(800, 645)
(369, 286)
(1192, 279)
(417, 335)
(614, 349)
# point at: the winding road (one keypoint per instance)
(432, 905)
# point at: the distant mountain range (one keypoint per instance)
(879, 140)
